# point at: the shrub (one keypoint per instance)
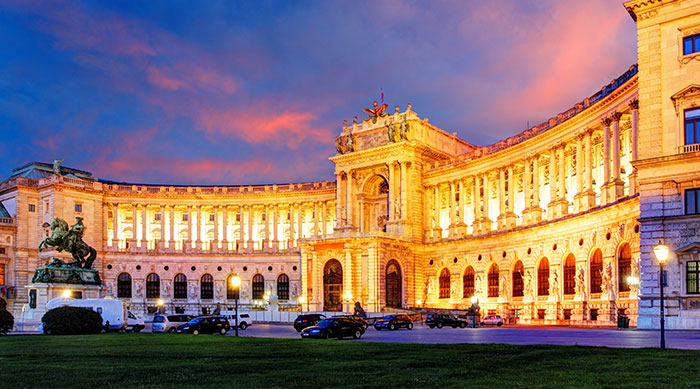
(71, 321)
(7, 321)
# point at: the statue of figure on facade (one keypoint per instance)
(139, 289)
(430, 287)
(376, 111)
(554, 284)
(528, 284)
(397, 208)
(477, 285)
(219, 291)
(455, 289)
(166, 289)
(193, 290)
(350, 143)
(57, 166)
(295, 290)
(70, 240)
(340, 144)
(581, 283)
(108, 289)
(606, 281)
(405, 130)
(343, 213)
(503, 286)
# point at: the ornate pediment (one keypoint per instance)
(691, 91)
(691, 248)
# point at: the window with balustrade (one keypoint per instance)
(692, 126)
(692, 277)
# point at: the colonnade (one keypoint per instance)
(265, 227)
(516, 193)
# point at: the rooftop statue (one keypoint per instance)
(70, 240)
(376, 111)
(57, 166)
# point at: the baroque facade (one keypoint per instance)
(553, 225)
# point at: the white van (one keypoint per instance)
(112, 310)
(244, 319)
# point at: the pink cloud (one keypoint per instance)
(161, 80)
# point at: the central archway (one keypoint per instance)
(375, 208)
(332, 286)
(393, 284)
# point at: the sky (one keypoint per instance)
(254, 92)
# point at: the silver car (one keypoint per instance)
(169, 323)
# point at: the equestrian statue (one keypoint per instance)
(70, 240)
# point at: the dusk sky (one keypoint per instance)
(254, 92)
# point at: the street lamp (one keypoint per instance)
(475, 303)
(347, 296)
(302, 299)
(160, 305)
(661, 253)
(236, 283)
(66, 293)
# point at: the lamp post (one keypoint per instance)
(160, 304)
(347, 296)
(661, 253)
(475, 303)
(302, 299)
(66, 293)
(236, 283)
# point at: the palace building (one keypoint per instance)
(553, 225)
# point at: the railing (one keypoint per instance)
(7, 220)
(689, 148)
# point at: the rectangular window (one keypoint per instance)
(78, 207)
(691, 44)
(2, 274)
(212, 217)
(692, 276)
(692, 126)
(691, 201)
(2, 250)
(238, 217)
(185, 217)
(32, 208)
(32, 298)
(46, 208)
(157, 217)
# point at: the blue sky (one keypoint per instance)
(255, 92)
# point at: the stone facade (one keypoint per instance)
(550, 226)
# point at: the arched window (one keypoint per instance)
(570, 275)
(231, 291)
(152, 286)
(445, 284)
(596, 269)
(624, 267)
(180, 286)
(124, 285)
(283, 287)
(258, 287)
(543, 278)
(468, 283)
(2, 274)
(518, 285)
(206, 287)
(493, 281)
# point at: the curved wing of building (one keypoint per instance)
(553, 225)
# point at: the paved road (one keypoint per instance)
(509, 335)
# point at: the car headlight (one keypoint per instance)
(314, 331)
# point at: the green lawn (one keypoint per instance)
(146, 360)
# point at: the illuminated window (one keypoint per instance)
(624, 268)
(468, 283)
(2, 274)
(570, 275)
(518, 285)
(543, 278)
(493, 281)
(124, 285)
(152, 286)
(691, 201)
(283, 287)
(692, 277)
(180, 286)
(692, 126)
(596, 270)
(445, 284)
(32, 208)
(207, 287)
(691, 44)
(258, 287)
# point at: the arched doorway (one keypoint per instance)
(393, 284)
(332, 286)
(375, 209)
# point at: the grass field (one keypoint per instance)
(151, 360)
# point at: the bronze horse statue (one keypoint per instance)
(70, 240)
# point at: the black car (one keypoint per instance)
(303, 321)
(205, 325)
(360, 320)
(393, 322)
(436, 320)
(334, 327)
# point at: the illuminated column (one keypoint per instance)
(290, 220)
(501, 198)
(275, 227)
(105, 227)
(241, 229)
(338, 200)
(427, 217)
(453, 210)
(392, 194)
(349, 200)
(214, 245)
(404, 191)
(251, 242)
(324, 220)
(198, 222)
(316, 229)
(461, 227)
(535, 210)
(588, 198)
(144, 228)
(300, 223)
(510, 215)
(115, 226)
(476, 199)
(617, 186)
(266, 241)
(224, 229)
(527, 179)
(437, 229)
(579, 173)
(606, 159)
(552, 183)
(161, 244)
(634, 105)
(134, 231)
(171, 242)
(188, 244)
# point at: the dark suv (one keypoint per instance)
(437, 320)
(393, 322)
(334, 327)
(303, 321)
(205, 325)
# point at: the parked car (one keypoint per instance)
(308, 320)
(113, 312)
(393, 322)
(334, 327)
(205, 325)
(244, 320)
(496, 320)
(438, 320)
(169, 323)
(358, 319)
